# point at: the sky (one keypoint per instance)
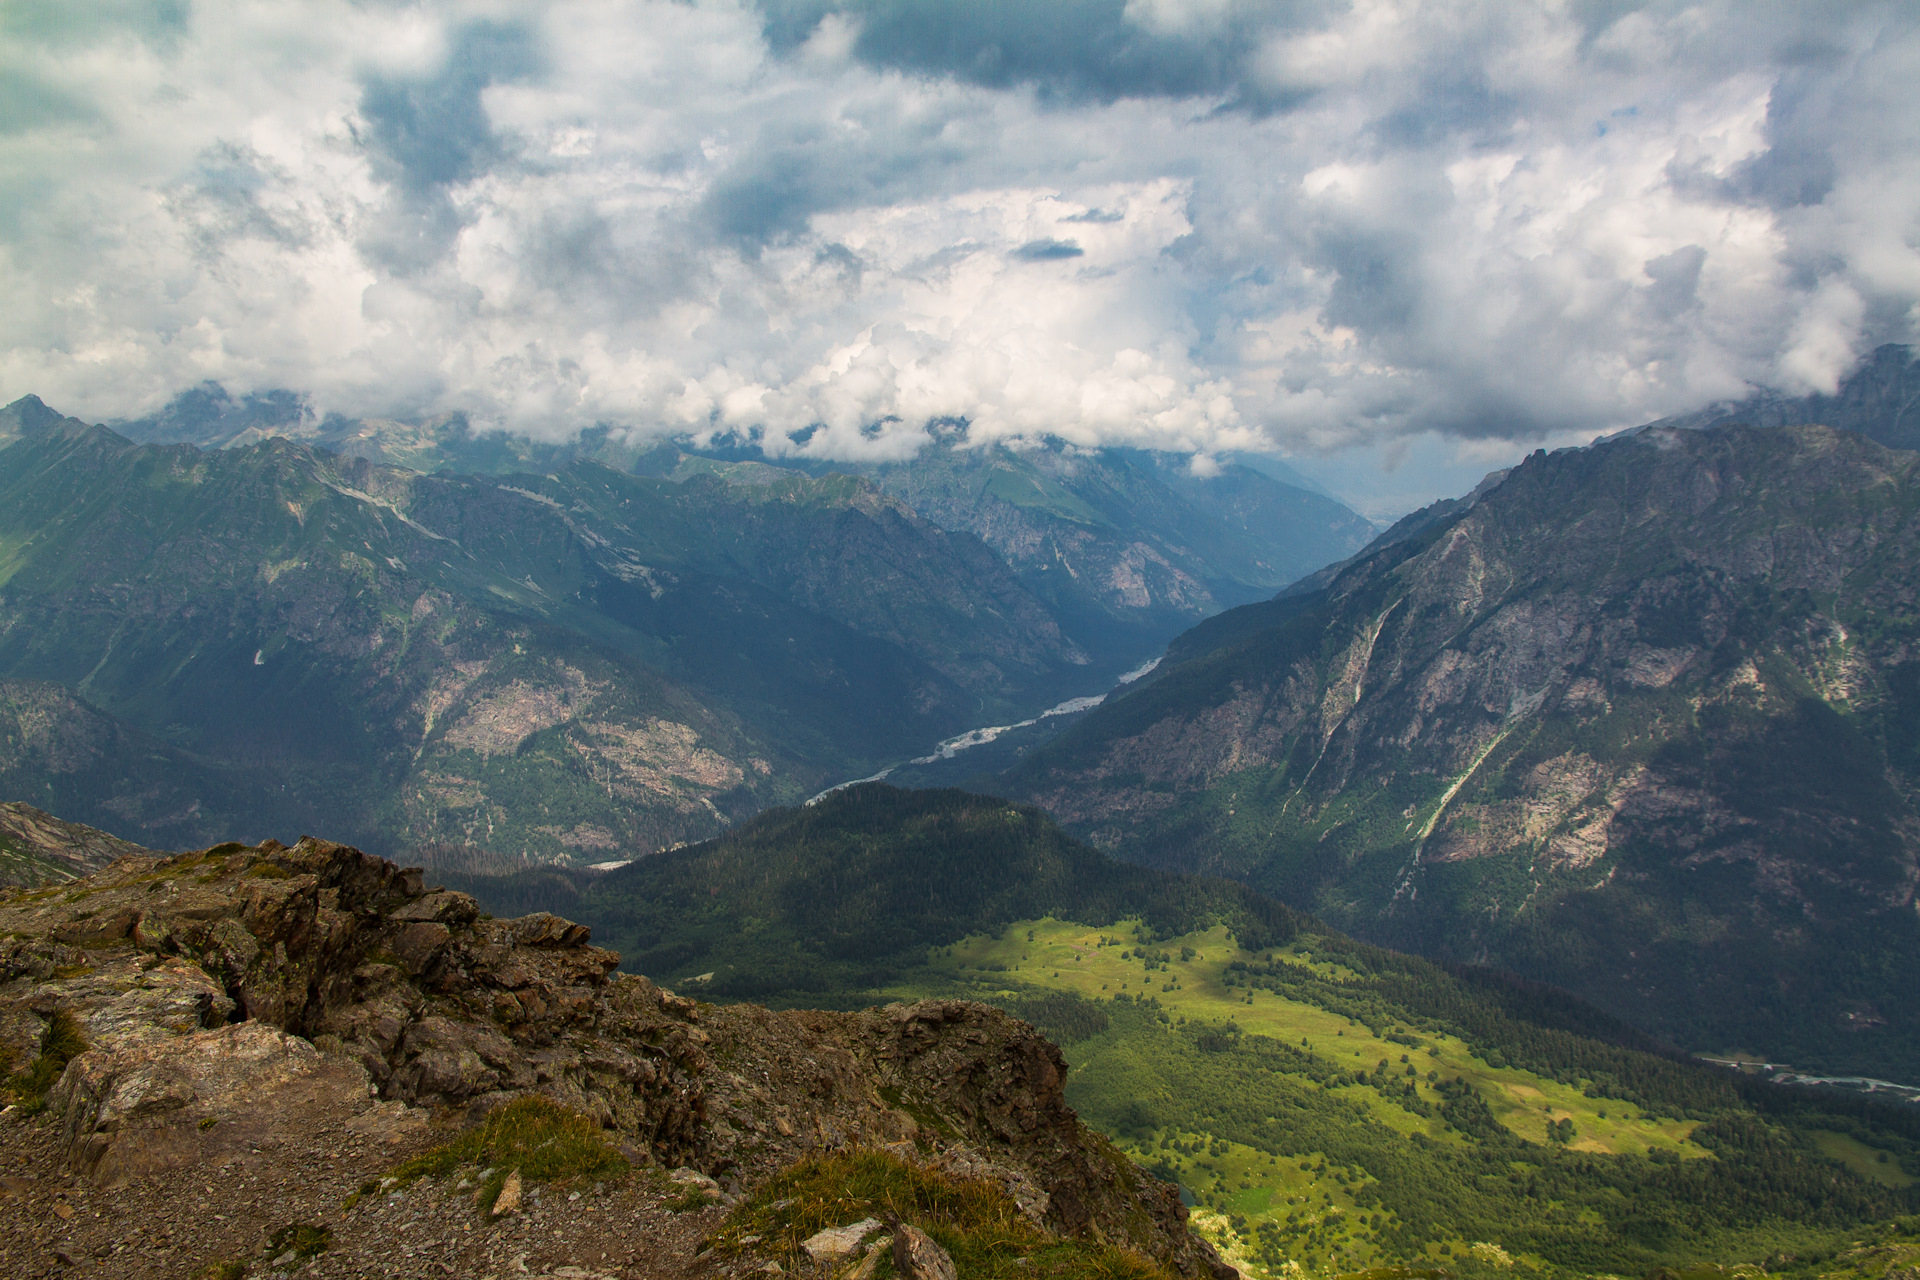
(1396, 243)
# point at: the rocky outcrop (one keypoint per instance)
(219, 993)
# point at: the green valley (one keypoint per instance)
(1330, 1107)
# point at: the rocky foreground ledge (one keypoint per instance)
(212, 1049)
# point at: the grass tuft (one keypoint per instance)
(61, 1043)
(302, 1239)
(975, 1222)
(545, 1141)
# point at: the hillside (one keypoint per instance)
(1637, 720)
(37, 848)
(1327, 1104)
(579, 664)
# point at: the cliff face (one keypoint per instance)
(224, 998)
(1637, 721)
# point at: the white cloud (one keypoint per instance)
(1296, 228)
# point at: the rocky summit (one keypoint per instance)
(256, 1060)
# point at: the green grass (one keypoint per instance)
(1867, 1161)
(975, 1222)
(1089, 963)
(541, 1139)
(1307, 1149)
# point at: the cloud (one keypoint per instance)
(1209, 225)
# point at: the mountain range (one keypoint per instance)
(570, 661)
(1127, 546)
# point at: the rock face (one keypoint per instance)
(218, 993)
(1636, 720)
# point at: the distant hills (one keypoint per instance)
(505, 652)
(1637, 719)
(1126, 547)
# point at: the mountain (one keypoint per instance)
(1880, 400)
(1328, 1107)
(1638, 720)
(1127, 540)
(257, 1060)
(1126, 547)
(581, 663)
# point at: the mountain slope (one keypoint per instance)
(252, 1032)
(1329, 1105)
(582, 663)
(37, 848)
(1638, 721)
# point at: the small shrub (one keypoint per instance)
(61, 1043)
(301, 1239)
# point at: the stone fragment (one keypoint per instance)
(442, 907)
(418, 945)
(544, 929)
(917, 1257)
(509, 1198)
(879, 1249)
(836, 1243)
